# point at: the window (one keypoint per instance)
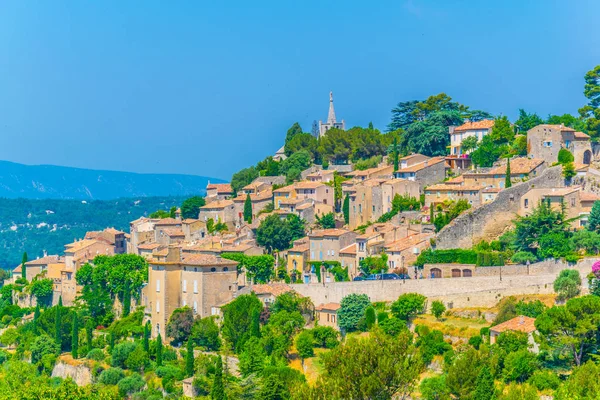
(157, 285)
(333, 318)
(225, 269)
(572, 202)
(548, 143)
(332, 253)
(158, 307)
(184, 302)
(213, 269)
(195, 286)
(195, 307)
(184, 286)
(373, 208)
(526, 203)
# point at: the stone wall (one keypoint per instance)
(490, 220)
(477, 291)
(80, 373)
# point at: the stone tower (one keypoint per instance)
(331, 121)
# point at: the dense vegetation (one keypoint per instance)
(38, 225)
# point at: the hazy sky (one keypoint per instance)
(207, 88)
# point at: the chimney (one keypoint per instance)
(521, 320)
(173, 254)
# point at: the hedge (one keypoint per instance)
(340, 274)
(460, 256)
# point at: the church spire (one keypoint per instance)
(331, 116)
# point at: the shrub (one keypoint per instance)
(352, 311)
(111, 376)
(96, 354)
(393, 326)
(568, 284)
(475, 341)
(325, 336)
(132, 384)
(565, 156)
(521, 257)
(408, 305)
(519, 365)
(544, 380)
(438, 308)
(121, 352)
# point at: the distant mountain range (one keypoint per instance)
(54, 182)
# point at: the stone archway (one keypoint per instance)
(587, 157)
(467, 273)
(456, 273)
(436, 273)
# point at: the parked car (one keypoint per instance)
(359, 278)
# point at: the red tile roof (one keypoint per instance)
(329, 307)
(520, 324)
(470, 126)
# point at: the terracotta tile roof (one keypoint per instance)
(581, 136)
(190, 220)
(240, 248)
(328, 232)
(219, 204)
(299, 248)
(519, 324)
(44, 260)
(517, 166)
(408, 242)
(308, 185)
(373, 182)
(562, 128)
(17, 270)
(442, 187)
(422, 165)
(457, 180)
(149, 246)
(320, 173)
(80, 245)
(205, 259)
(408, 157)
(174, 232)
(285, 189)
(168, 221)
(492, 190)
(275, 289)
(113, 231)
(264, 195)
(371, 171)
(329, 307)
(585, 196)
(349, 249)
(581, 167)
(221, 187)
(161, 253)
(560, 192)
(470, 126)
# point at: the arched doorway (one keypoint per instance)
(456, 273)
(587, 157)
(467, 273)
(436, 273)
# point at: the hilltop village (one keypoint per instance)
(340, 237)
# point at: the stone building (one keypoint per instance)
(321, 176)
(260, 200)
(331, 120)
(83, 251)
(112, 237)
(202, 282)
(380, 172)
(518, 324)
(326, 315)
(428, 172)
(317, 192)
(478, 129)
(438, 194)
(218, 191)
(404, 252)
(545, 141)
(325, 244)
(521, 169)
(220, 211)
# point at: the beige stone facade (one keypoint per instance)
(220, 211)
(326, 315)
(438, 194)
(325, 245)
(521, 169)
(425, 173)
(201, 282)
(478, 129)
(545, 141)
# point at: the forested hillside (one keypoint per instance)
(52, 182)
(38, 225)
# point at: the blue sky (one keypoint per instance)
(207, 88)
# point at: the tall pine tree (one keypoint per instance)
(507, 182)
(75, 337)
(89, 334)
(159, 350)
(189, 358)
(395, 154)
(36, 316)
(111, 341)
(146, 339)
(126, 299)
(218, 388)
(346, 209)
(58, 322)
(594, 218)
(248, 209)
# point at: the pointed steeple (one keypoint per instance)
(331, 116)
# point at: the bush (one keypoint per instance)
(438, 308)
(131, 384)
(408, 305)
(568, 284)
(519, 365)
(325, 336)
(435, 388)
(565, 156)
(111, 376)
(121, 352)
(521, 257)
(475, 341)
(96, 354)
(393, 326)
(544, 380)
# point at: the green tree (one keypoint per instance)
(237, 320)
(571, 329)
(146, 337)
(438, 309)
(89, 334)
(352, 309)
(520, 365)
(346, 210)
(302, 141)
(591, 111)
(126, 299)
(159, 350)
(370, 317)
(43, 345)
(565, 156)
(189, 359)
(507, 181)
(36, 317)
(488, 152)
(205, 333)
(568, 171)
(253, 357)
(484, 385)
(527, 121)
(430, 135)
(326, 221)
(294, 130)
(463, 373)
(469, 144)
(180, 324)
(242, 178)
(393, 358)
(248, 209)
(190, 208)
(408, 305)
(582, 384)
(42, 290)
(75, 338)
(297, 226)
(274, 234)
(435, 388)
(305, 346)
(218, 388)
(396, 152)
(568, 284)
(594, 218)
(58, 323)
(23, 266)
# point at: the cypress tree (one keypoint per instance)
(189, 358)
(159, 349)
(36, 316)
(23, 269)
(75, 337)
(60, 304)
(89, 333)
(370, 317)
(255, 329)
(346, 209)
(484, 386)
(248, 209)
(218, 389)
(507, 182)
(146, 340)
(431, 213)
(126, 299)
(58, 324)
(395, 154)
(594, 218)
